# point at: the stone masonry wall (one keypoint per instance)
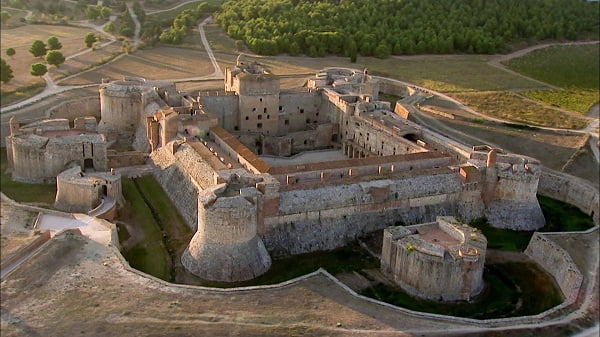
(330, 217)
(178, 185)
(571, 190)
(557, 262)
(86, 106)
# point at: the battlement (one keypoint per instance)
(453, 254)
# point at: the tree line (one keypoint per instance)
(384, 27)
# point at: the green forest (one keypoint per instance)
(402, 27)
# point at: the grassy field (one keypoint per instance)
(345, 259)
(573, 68)
(149, 254)
(563, 66)
(38, 193)
(574, 99)
(15, 18)
(157, 63)
(167, 17)
(509, 106)
(87, 61)
(512, 289)
(560, 217)
(20, 39)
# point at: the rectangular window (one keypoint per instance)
(259, 116)
(259, 126)
(287, 122)
(265, 110)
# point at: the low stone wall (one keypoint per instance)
(558, 263)
(25, 250)
(124, 159)
(85, 106)
(572, 190)
(437, 112)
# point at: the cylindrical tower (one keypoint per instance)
(226, 246)
(120, 109)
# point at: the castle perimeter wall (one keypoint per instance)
(85, 106)
(330, 217)
(557, 262)
(172, 173)
(572, 190)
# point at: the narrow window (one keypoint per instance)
(246, 117)
(259, 116)
(265, 110)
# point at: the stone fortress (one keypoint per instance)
(442, 260)
(259, 171)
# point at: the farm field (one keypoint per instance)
(573, 68)
(509, 106)
(158, 63)
(20, 39)
(86, 61)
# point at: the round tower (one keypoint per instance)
(120, 110)
(226, 246)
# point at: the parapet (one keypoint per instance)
(442, 260)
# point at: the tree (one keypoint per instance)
(38, 69)
(126, 47)
(109, 28)
(6, 72)
(38, 48)
(55, 58)
(92, 12)
(239, 45)
(4, 16)
(105, 12)
(53, 43)
(11, 52)
(90, 39)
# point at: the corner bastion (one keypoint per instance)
(441, 261)
(226, 246)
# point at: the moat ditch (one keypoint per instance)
(153, 237)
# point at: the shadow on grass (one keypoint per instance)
(512, 289)
(21, 192)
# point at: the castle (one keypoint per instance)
(259, 171)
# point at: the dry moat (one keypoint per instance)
(153, 240)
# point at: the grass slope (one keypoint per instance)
(573, 68)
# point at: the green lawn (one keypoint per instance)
(563, 66)
(560, 217)
(573, 68)
(42, 193)
(150, 254)
(507, 284)
(509, 106)
(351, 257)
(573, 99)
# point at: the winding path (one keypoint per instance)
(172, 8)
